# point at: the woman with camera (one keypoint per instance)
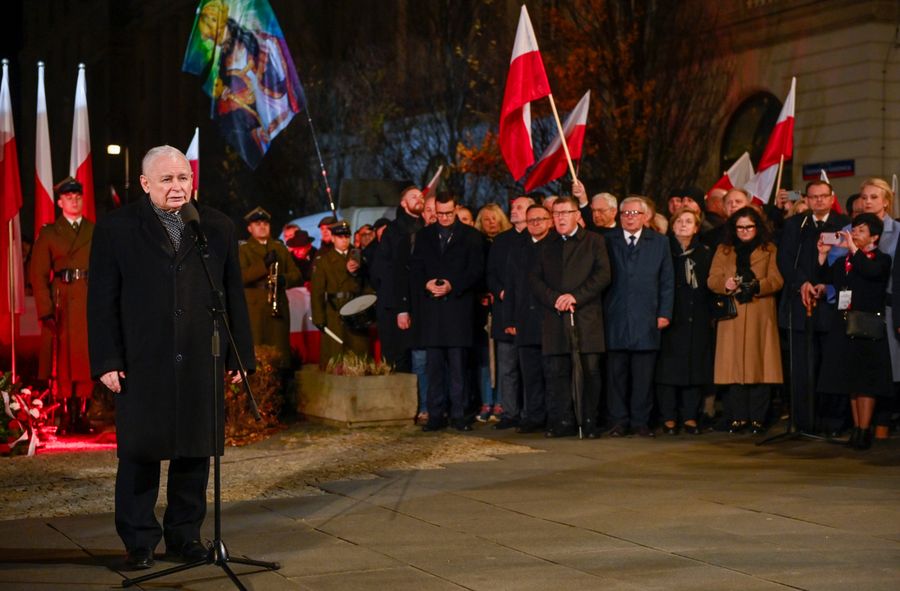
(855, 359)
(748, 353)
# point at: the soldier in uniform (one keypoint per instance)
(59, 272)
(270, 321)
(336, 280)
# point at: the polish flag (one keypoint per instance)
(13, 301)
(781, 143)
(525, 82)
(553, 163)
(193, 156)
(835, 205)
(80, 163)
(431, 187)
(737, 175)
(44, 209)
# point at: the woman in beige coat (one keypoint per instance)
(748, 353)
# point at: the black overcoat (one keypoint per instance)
(148, 315)
(526, 313)
(686, 352)
(498, 277)
(579, 266)
(447, 321)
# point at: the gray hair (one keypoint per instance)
(157, 152)
(634, 199)
(607, 198)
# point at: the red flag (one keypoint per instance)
(193, 156)
(431, 187)
(553, 163)
(737, 174)
(44, 209)
(114, 195)
(781, 143)
(80, 162)
(10, 204)
(525, 82)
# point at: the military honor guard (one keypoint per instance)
(267, 269)
(59, 274)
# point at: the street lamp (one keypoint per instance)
(115, 150)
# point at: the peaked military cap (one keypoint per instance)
(341, 228)
(68, 185)
(258, 214)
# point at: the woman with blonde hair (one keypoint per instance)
(491, 221)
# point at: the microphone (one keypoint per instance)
(191, 217)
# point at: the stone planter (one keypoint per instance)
(356, 401)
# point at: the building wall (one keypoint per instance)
(846, 58)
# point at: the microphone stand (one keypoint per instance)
(792, 431)
(218, 553)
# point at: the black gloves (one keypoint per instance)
(746, 291)
(270, 258)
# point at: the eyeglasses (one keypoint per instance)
(559, 214)
(534, 221)
(823, 196)
(444, 214)
(745, 228)
(632, 212)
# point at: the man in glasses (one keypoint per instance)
(568, 278)
(59, 273)
(638, 307)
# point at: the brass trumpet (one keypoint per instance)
(272, 286)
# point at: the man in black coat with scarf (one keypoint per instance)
(447, 267)
(149, 338)
(568, 278)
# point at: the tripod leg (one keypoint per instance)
(233, 577)
(163, 573)
(259, 563)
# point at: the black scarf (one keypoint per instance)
(743, 250)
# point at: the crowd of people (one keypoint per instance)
(602, 316)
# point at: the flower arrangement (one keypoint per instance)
(351, 364)
(241, 427)
(26, 415)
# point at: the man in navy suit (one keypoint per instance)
(797, 262)
(637, 307)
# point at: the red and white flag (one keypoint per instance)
(737, 175)
(80, 163)
(553, 163)
(431, 187)
(44, 209)
(835, 205)
(525, 82)
(13, 301)
(781, 143)
(193, 156)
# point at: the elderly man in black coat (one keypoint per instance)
(447, 266)
(149, 337)
(568, 278)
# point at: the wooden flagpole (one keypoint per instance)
(10, 294)
(562, 137)
(778, 182)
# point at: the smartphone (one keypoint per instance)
(794, 196)
(832, 238)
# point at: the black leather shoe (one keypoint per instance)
(592, 435)
(190, 552)
(644, 432)
(505, 423)
(618, 431)
(737, 426)
(139, 559)
(529, 428)
(692, 429)
(757, 427)
(434, 426)
(553, 433)
(462, 425)
(854, 437)
(670, 430)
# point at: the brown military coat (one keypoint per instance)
(331, 287)
(266, 329)
(58, 247)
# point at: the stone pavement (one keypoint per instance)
(711, 512)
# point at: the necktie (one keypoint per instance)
(75, 226)
(819, 225)
(631, 242)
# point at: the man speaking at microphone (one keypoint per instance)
(149, 334)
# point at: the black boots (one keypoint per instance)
(860, 439)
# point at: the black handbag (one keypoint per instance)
(723, 307)
(865, 325)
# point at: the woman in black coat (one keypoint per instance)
(684, 365)
(858, 367)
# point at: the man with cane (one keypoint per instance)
(568, 278)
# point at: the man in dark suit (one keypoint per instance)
(389, 275)
(797, 262)
(447, 266)
(499, 277)
(524, 319)
(150, 330)
(638, 306)
(568, 278)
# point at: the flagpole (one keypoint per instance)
(312, 131)
(778, 182)
(562, 136)
(10, 294)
